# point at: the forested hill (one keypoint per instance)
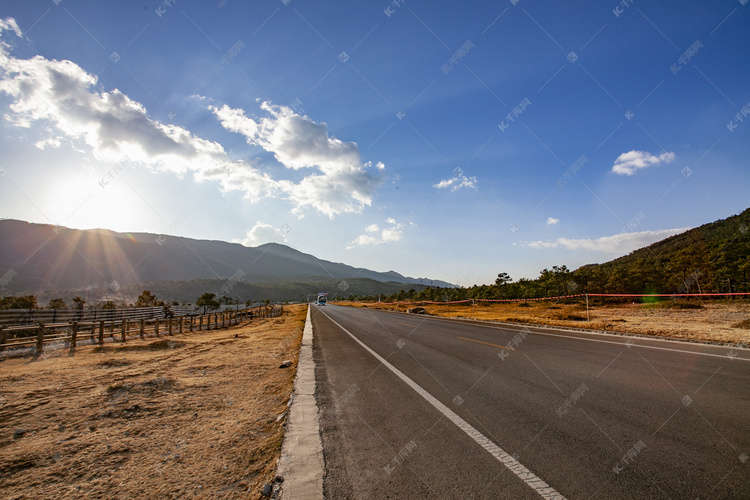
(714, 257)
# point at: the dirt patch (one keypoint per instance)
(115, 363)
(570, 317)
(714, 321)
(199, 415)
(158, 345)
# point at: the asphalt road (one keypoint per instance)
(486, 411)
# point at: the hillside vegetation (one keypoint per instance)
(714, 257)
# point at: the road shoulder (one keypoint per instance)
(301, 464)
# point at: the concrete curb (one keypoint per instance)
(301, 464)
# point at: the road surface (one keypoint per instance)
(422, 407)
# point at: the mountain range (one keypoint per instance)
(41, 258)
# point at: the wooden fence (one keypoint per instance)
(13, 317)
(72, 332)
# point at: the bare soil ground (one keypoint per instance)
(723, 322)
(199, 415)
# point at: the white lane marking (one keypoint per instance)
(724, 356)
(514, 328)
(537, 484)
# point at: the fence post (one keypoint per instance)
(191, 323)
(101, 332)
(3, 338)
(200, 323)
(143, 328)
(40, 338)
(587, 307)
(124, 329)
(180, 327)
(169, 322)
(223, 318)
(73, 334)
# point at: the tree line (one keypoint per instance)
(713, 258)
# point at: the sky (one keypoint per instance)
(445, 140)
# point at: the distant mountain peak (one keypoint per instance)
(46, 257)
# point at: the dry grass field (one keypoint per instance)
(197, 415)
(715, 321)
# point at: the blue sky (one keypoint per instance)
(436, 139)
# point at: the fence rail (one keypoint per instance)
(96, 331)
(10, 317)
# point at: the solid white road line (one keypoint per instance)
(537, 484)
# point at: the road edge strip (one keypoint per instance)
(301, 463)
(543, 489)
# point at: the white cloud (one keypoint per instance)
(262, 233)
(341, 182)
(10, 24)
(457, 182)
(628, 163)
(68, 106)
(363, 240)
(551, 221)
(390, 234)
(71, 108)
(622, 243)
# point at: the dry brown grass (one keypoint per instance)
(724, 322)
(196, 415)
